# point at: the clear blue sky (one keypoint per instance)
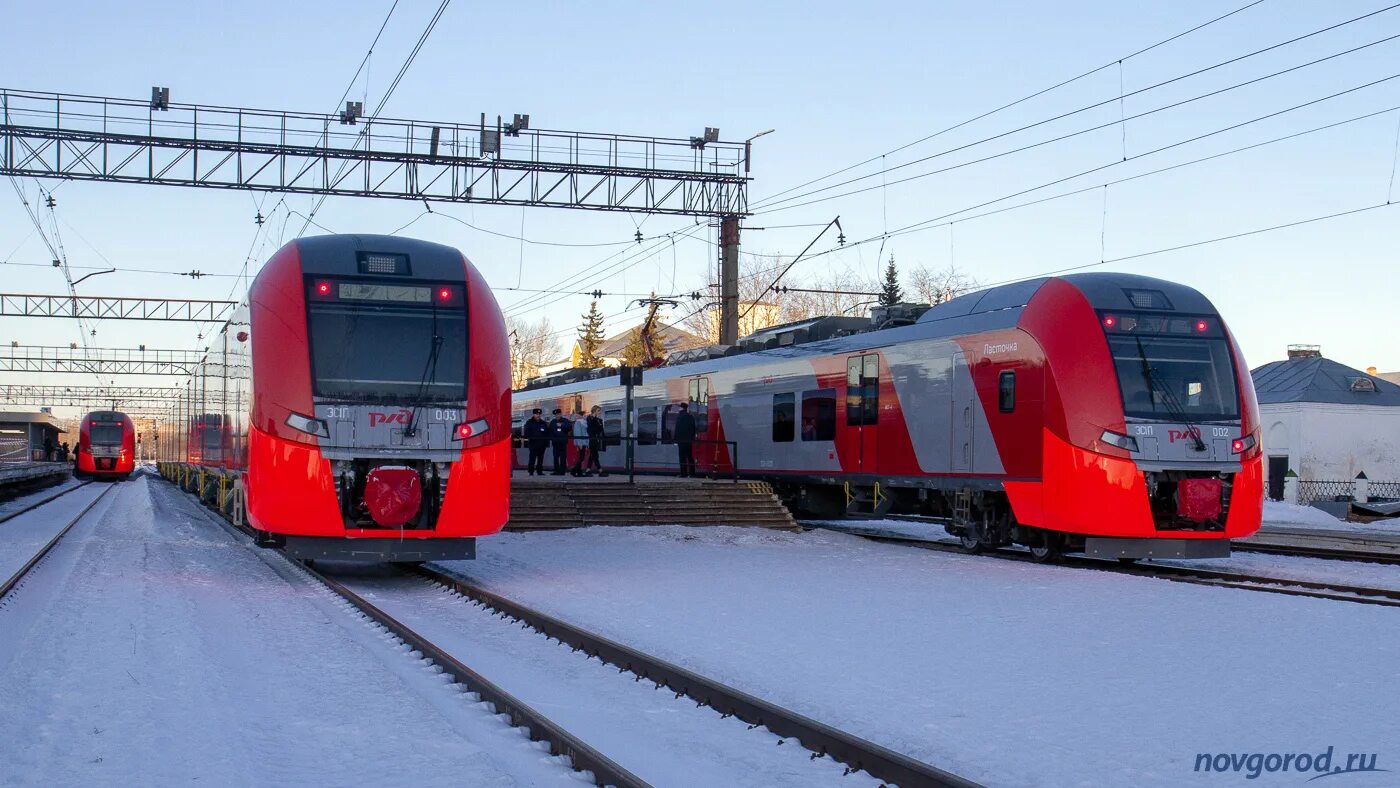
(840, 82)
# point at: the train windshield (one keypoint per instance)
(364, 352)
(105, 433)
(1175, 378)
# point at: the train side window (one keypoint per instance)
(819, 415)
(668, 423)
(854, 407)
(612, 427)
(699, 397)
(1006, 391)
(871, 380)
(646, 427)
(784, 408)
(863, 389)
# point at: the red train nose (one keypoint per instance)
(393, 495)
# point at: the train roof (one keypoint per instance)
(991, 309)
(335, 254)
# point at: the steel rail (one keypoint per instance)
(1334, 554)
(43, 551)
(581, 756)
(1199, 576)
(37, 504)
(856, 753)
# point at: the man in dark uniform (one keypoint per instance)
(685, 438)
(559, 430)
(536, 434)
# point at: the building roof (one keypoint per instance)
(30, 417)
(672, 340)
(1318, 379)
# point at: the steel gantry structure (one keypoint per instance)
(149, 397)
(79, 137)
(102, 361)
(115, 307)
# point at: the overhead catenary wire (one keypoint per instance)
(388, 94)
(945, 220)
(773, 205)
(1099, 127)
(1019, 101)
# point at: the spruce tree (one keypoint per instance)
(635, 353)
(590, 338)
(890, 294)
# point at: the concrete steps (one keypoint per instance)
(555, 502)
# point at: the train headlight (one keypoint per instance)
(1124, 442)
(1242, 445)
(468, 429)
(308, 425)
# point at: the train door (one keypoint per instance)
(862, 412)
(960, 445)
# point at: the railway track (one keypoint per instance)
(1198, 576)
(855, 753)
(1312, 551)
(38, 556)
(821, 739)
(36, 504)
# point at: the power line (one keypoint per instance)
(924, 223)
(408, 61)
(1018, 101)
(1091, 129)
(767, 206)
(1194, 244)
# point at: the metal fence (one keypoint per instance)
(1383, 490)
(1310, 490)
(1313, 490)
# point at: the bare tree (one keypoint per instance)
(533, 343)
(847, 293)
(936, 286)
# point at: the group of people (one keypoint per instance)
(588, 440)
(587, 433)
(55, 453)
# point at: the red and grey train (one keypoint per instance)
(1102, 412)
(106, 446)
(363, 396)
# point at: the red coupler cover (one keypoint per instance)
(393, 495)
(1198, 499)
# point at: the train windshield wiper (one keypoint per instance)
(1175, 409)
(429, 378)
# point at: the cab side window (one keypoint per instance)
(1006, 391)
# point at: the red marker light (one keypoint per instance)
(1110, 321)
(1201, 325)
(444, 294)
(1237, 445)
(464, 431)
(324, 288)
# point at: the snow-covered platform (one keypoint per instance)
(1008, 673)
(152, 648)
(541, 502)
(17, 476)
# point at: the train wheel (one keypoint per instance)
(971, 541)
(1048, 548)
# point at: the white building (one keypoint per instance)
(1326, 421)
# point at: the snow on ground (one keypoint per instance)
(1006, 672)
(151, 648)
(23, 536)
(1278, 514)
(19, 502)
(665, 740)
